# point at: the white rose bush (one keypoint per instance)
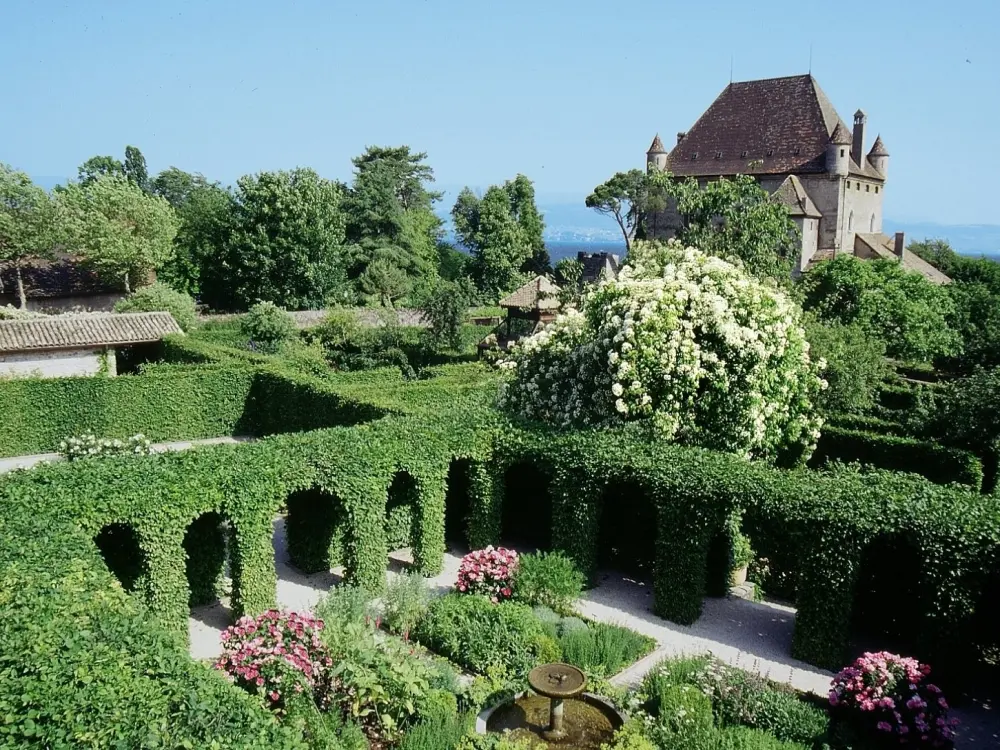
(692, 344)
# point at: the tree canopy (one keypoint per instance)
(910, 314)
(118, 229)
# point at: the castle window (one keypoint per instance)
(744, 154)
(848, 184)
(796, 152)
(871, 224)
(841, 153)
(857, 186)
(876, 189)
(850, 222)
(868, 188)
(718, 154)
(694, 155)
(770, 151)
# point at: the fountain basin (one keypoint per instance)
(589, 720)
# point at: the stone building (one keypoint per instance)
(74, 345)
(787, 134)
(59, 285)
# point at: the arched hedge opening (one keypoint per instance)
(401, 516)
(457, 503)
(120, 549)
(888, 601)
(315, 525)
(205, 549)
(627, 529)
(526, 516)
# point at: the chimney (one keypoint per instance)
(858, 142)
(897, 246)
(680, 137)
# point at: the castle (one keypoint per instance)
(787, 134)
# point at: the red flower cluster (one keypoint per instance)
(890, 693)
(273, 653)
(488, 571)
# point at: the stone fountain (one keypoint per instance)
(559, 714)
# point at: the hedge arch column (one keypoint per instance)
(576, 510)
(165, 588)
(251, 548)
(428, 544)
(366, 547)
(485, 504)
(829, 562)
(682, 543)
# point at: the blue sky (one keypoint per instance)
(565, 91)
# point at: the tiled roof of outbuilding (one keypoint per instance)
(84, 331)
(537, 294)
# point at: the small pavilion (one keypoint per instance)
(529, 309)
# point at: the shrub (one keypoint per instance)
(855, 364)
(549, 579)
(339, 326)
(157, 297)
(438, 731)
(267, 327)
(488, 571)
(89, 446)
(604, 649)
(274, 653)
(686, 342)
(888, 695)
(404, 603)
(346, 605)
(549, 620)
(478, 634)
(630, 736)
(444, 312)
(683, 709)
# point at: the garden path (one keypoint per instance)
(755, 636)
(26, 462)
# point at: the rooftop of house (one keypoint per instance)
(84, 331)
(538, 294)
(882, 246)
(49, 279)
(792, 194)
(782, 124)
(598, 265)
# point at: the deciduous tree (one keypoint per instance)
(135, 168)
(488, 227)
(121, 231)
(31, 224)
(99, 166)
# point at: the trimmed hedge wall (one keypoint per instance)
(866, 423)
(938, 463)
(56, 587)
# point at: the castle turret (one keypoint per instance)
(657, 154)
(878, 157)
(858, 141)
(837, 157)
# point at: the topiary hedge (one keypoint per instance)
(938, 463)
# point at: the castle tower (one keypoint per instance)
(657, 155)
(837, 157)
(878, 157)
(858, 142)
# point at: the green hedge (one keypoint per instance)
(938, 463)
(866, 423)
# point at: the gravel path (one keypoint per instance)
(26, 462)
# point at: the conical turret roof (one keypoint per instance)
(657, 146)
(840, 135)
(878, 148)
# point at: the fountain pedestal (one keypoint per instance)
(556, 682)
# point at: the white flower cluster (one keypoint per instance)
(712, 355)
(90, 446)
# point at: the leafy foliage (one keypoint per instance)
(159, 296)
(445, 311)
(268, 326)
(121, 231)
(404, 603)
(906, 311)
(548, 579)
(603, 649)
(704, 352)
(627, 198)
(855, 364)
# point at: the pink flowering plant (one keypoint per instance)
(274, 654)
(890, 694)
(488, 571)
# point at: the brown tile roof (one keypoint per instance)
(878, 148)
(48, 279)
(656, 147)
(85, 331)
(841, 135)
(819, 256)
(537, 294)
(792, 194)
(784, 123)
(882, 244)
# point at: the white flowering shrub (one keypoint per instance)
(705, 352)
(88, 445)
